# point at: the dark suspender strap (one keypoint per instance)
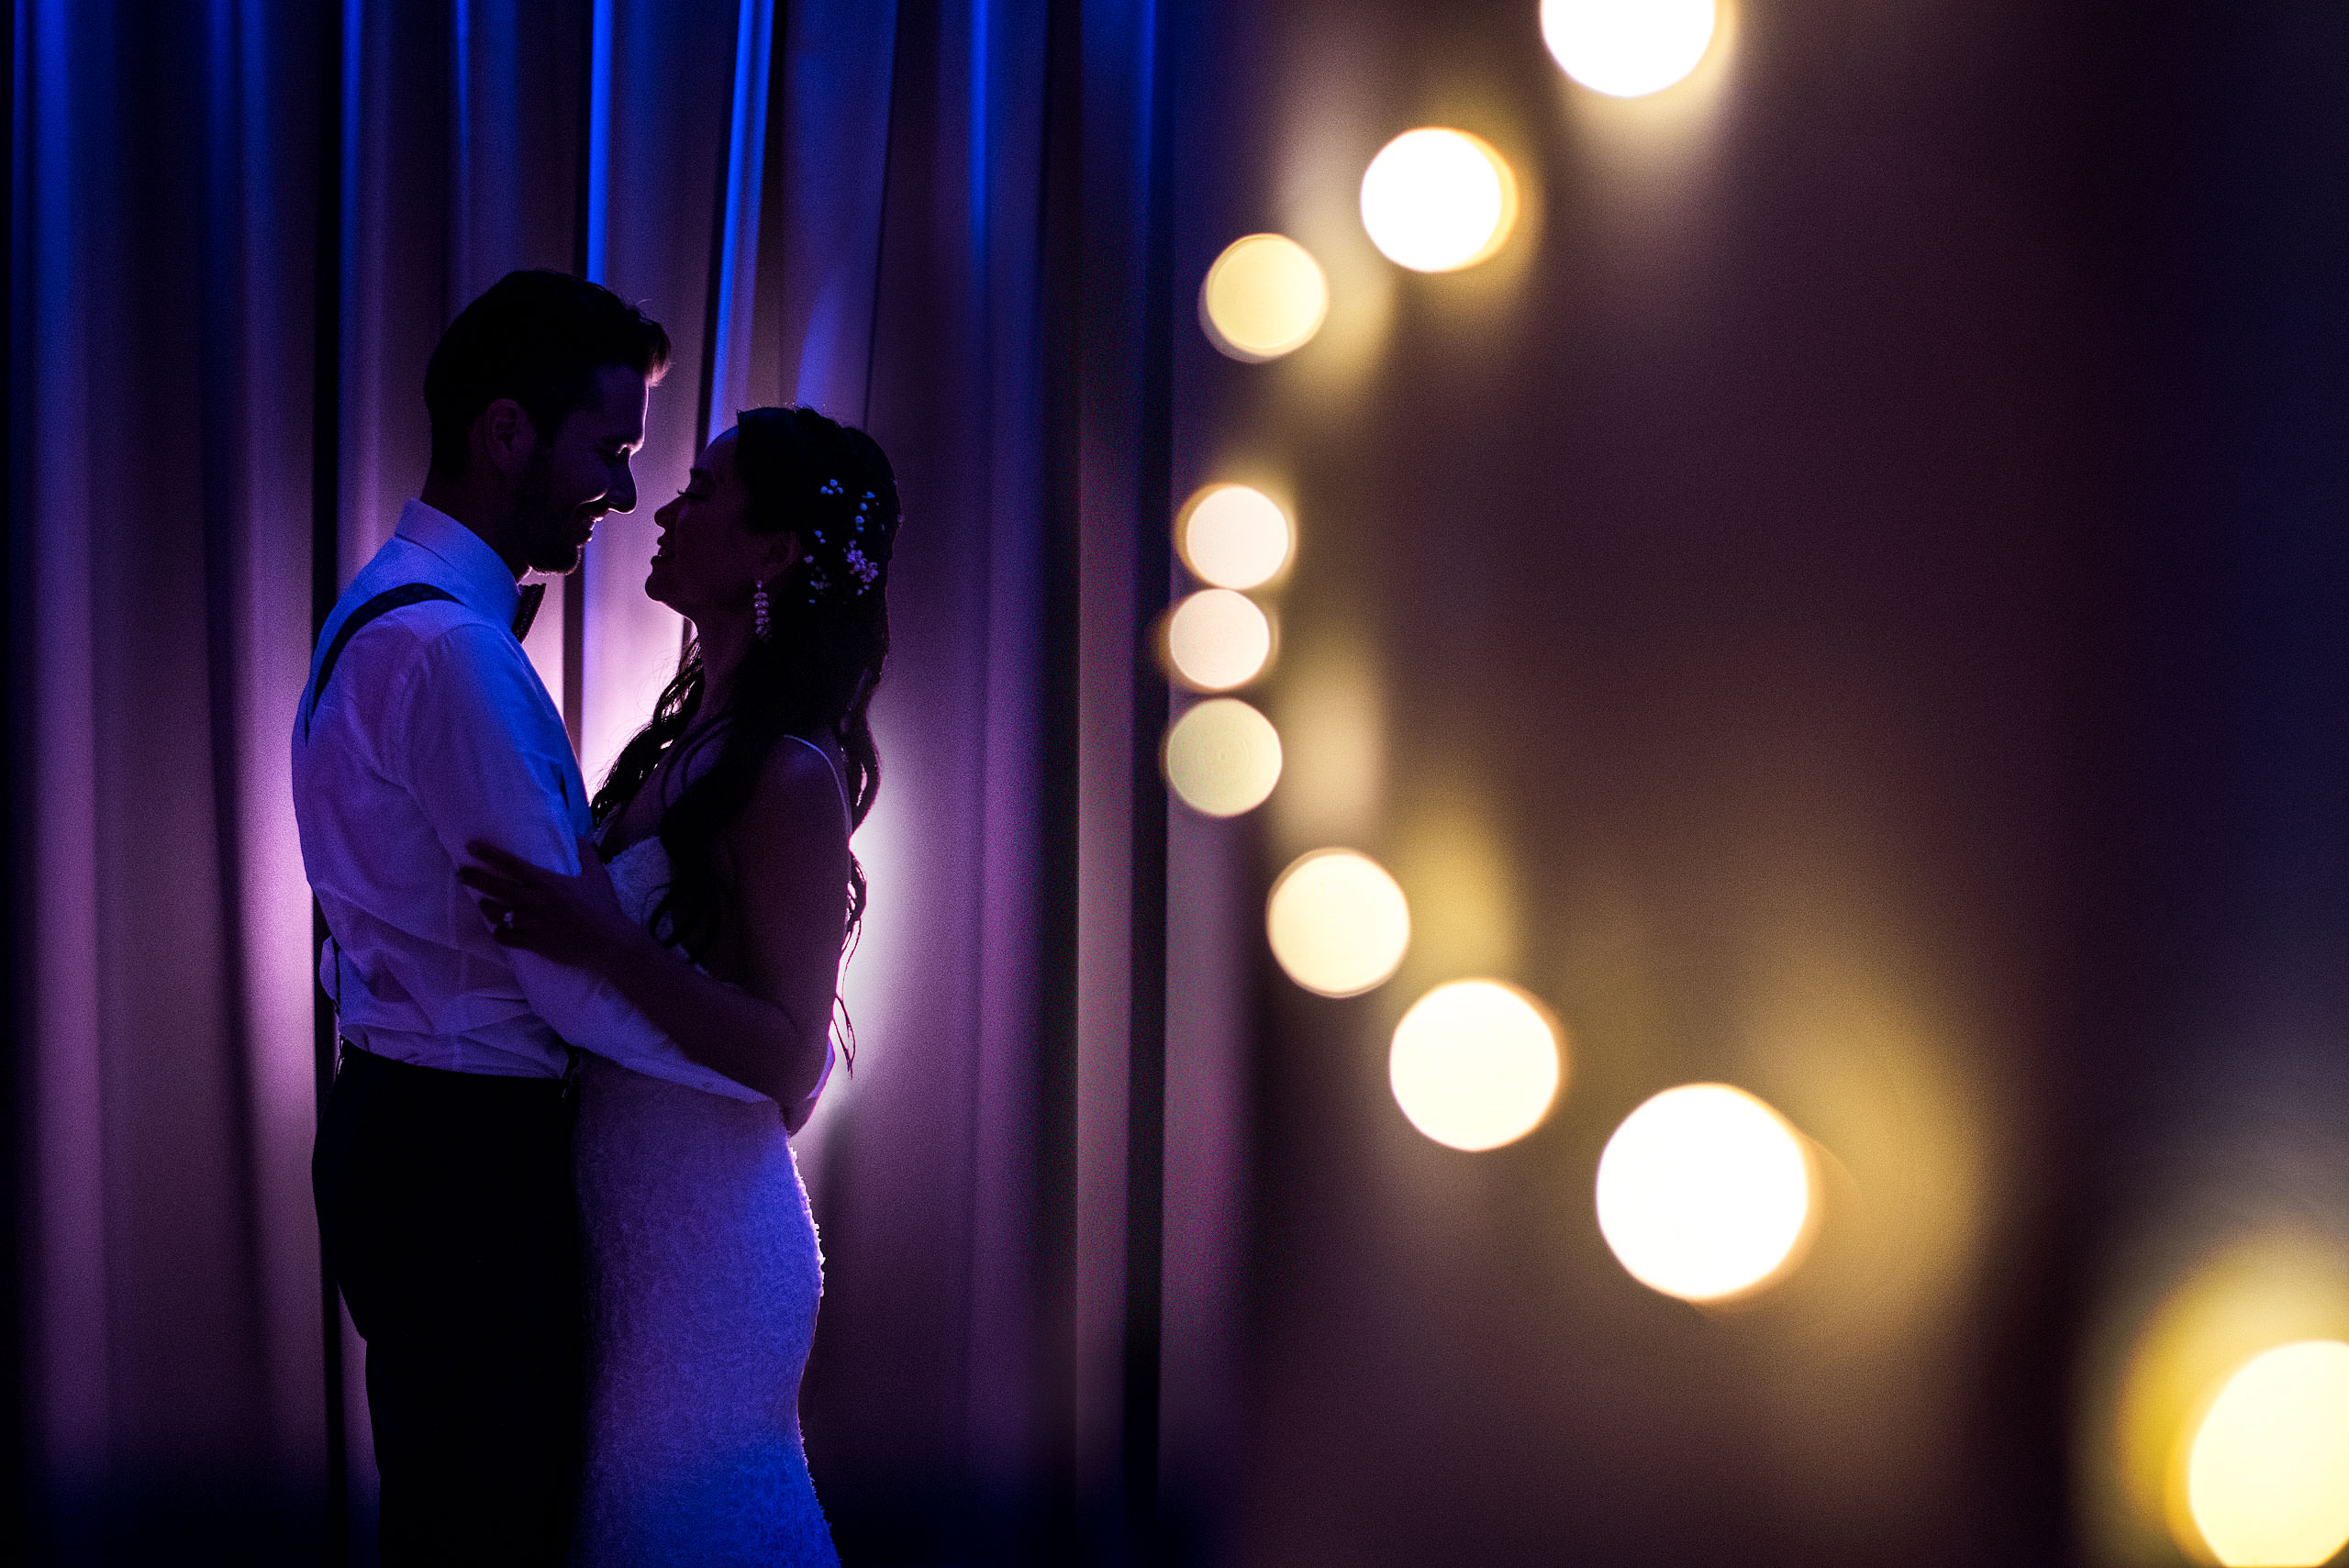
(383, 604)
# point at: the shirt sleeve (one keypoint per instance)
(486, 760)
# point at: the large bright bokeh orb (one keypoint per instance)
(1338, 922)
(1627, 48)
(1222, 758)
(1217, 639)
(1703, 1192)
(1437, 200)
(1233, 536)
(1264, 297)
(2267, 1477)
(1476, 1063)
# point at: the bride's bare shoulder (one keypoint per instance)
(799, 786)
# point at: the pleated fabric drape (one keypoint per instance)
(163, 304)
(238, 227)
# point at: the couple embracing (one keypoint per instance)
(554, 1174)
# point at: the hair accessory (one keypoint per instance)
(853, 562)
(762, 626)
(803, 473)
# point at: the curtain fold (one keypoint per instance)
(165, 170)
(670, 107)
(942, 1295)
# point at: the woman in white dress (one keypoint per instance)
(719, 902)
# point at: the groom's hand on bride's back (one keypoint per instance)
(571, 919)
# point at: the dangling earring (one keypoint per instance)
(761, 627)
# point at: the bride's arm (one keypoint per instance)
(788, 855)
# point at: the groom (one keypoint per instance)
(442, 1169)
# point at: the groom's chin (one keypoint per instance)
(557, 557)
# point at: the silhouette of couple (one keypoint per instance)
(554, 1174)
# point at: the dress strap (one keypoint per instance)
(832, 768)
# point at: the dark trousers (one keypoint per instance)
(447, 1212)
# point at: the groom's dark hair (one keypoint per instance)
(539, 338)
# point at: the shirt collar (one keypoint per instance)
(484, 582)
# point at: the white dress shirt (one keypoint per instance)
(435, 732)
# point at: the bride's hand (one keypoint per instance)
(571, 920)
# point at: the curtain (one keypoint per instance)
(162, 292)
(237, 229)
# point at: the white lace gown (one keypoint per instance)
(703, 1276)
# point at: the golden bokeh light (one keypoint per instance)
(2267, 1476)
(1705, 1192)
(2200, 1309)
(1338, 923)
(1436, 200)
(1476, 1063)
(1627, 48)
(1217, 639)
(1222, 757)
(1264, 297)
(1233, 536)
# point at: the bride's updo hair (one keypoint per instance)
(812, 676)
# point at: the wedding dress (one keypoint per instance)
(703, 1276)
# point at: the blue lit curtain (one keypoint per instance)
(236, 229)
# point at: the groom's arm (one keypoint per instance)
(486, 761)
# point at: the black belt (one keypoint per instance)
(373, 1064)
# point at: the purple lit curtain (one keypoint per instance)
(162, 306)
(236, 229)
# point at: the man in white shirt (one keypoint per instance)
(442, 1169)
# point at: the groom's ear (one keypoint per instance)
(504, 437)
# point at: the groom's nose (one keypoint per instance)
(621, 496)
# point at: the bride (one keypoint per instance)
(719, 902)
